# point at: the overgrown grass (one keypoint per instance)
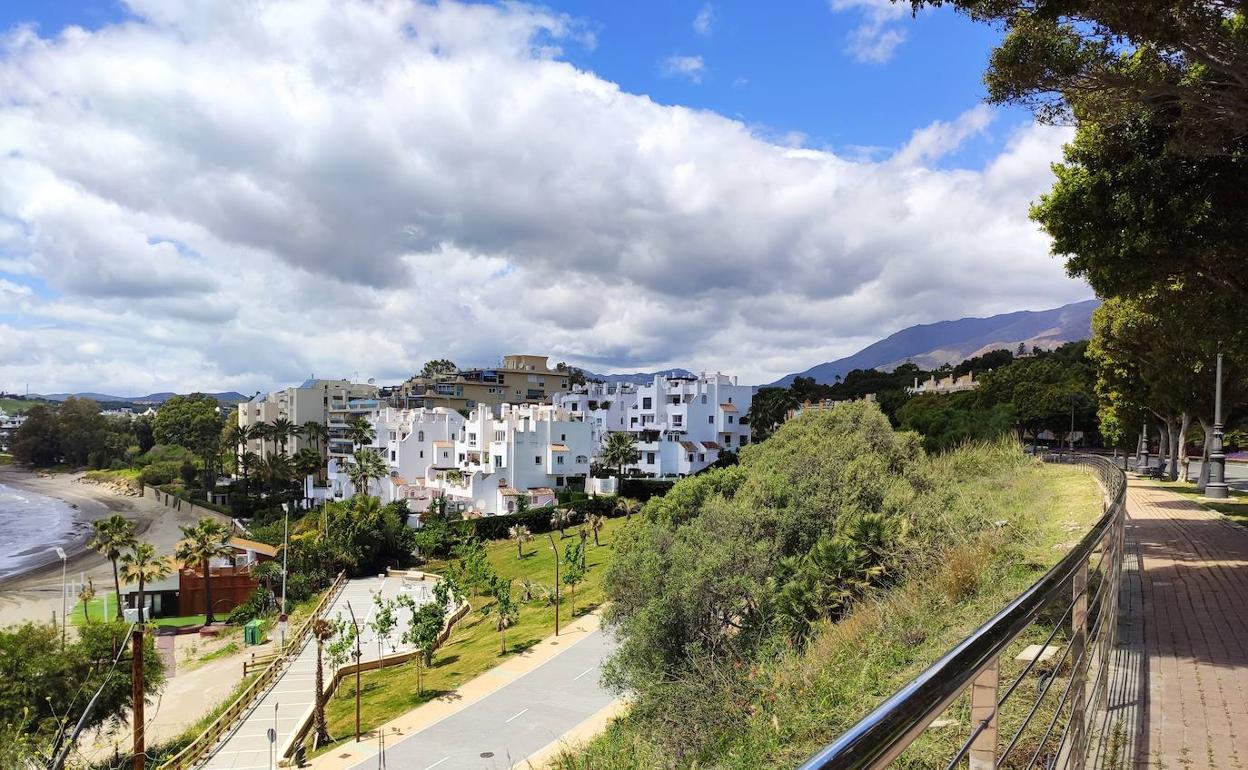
(474, 645)
(16, 405)
(797, 700)
(6, 459)
(1234, 507)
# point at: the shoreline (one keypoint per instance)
(34, 593)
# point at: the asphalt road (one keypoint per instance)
(514, 721)
(1236, 474)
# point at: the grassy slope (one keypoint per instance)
(16, 405)
(811, 696)
(474, 645)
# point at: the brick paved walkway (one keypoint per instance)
(1186, 605)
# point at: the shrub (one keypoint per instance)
(644, 489)
(538, 519)
(159, 473)
(165, 453)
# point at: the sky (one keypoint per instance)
(237, 195)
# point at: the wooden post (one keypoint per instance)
(1078, 648)
(983, 754)
(136, 694)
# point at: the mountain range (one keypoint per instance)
(637, 378)
(951, 342)
(230, 397)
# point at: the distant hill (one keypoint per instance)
(637, 378)
(951, 342)
(230, 397)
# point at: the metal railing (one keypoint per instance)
(1043, 714)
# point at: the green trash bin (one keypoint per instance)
(253, 632)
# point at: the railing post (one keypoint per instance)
(1078, 652)
(983, 753)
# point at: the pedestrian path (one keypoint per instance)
(1180, 694)
(283, 706)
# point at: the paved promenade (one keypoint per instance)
(284, 705)
(1182, 689)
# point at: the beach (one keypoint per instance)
(34, 592)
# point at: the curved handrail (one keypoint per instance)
(883, 733)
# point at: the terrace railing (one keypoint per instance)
(1047, 712)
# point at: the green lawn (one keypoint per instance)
(1235, 507)
(474, 645)
(16, 405)
(96, 613)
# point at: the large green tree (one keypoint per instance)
(202, 542)
(196, 423)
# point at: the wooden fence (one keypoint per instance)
(205, 741)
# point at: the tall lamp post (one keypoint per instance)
(64, 560)
(1216, 488)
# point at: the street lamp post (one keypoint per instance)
(64, 560)
(1216, 488)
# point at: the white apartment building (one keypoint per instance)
(527, 449)
(409, 441)
(681, 423)
(482, 463)
(330, 402)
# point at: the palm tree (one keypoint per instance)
(323, 630)
(627, 506)
(141, 565)
(85, 595)
(317, 433)
(521, 534)
(238, 436)
(596, 523)
(204, 541)
(620, 449)
(308, 462)
(246, 461)
(560, 519)
(276, 472)
(361, 432)
(112, 537)
(365, 466)
(262, 431)
(283, 430)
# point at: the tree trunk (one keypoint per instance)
(117, 588)
(208, 618)
(1203, 479)
(1185, 422)
(142, 605)
(1172, 450)
(321, 731)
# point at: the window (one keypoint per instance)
(472, 438)
(647, 403)
(420, 435)
(690, 457)
(392, 455)
(710, 418)
(461, 457)
(650, 458)
(704, 399)
(537, 460)
(677, 419)
(563, 437)
(422, 454)
(559, 460)
(701, 457)
(394, 435)
(730, 399)
(729, 418)
(498, 461)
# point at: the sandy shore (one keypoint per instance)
(36, 594)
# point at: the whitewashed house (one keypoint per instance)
(528, 450)
(409, 441)
(681, 423)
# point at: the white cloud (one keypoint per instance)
(878, 33)
(941, 138)
(702, 22)
(231, 195)
(688, 67)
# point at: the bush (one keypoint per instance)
(538, 519)
(260, 602)
(159, 473)
(644, 489)
(165, 453)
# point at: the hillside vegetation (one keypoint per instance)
(763, 608)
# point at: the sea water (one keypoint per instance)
(31, 526)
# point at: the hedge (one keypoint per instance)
(644, 489)
(538, 519)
